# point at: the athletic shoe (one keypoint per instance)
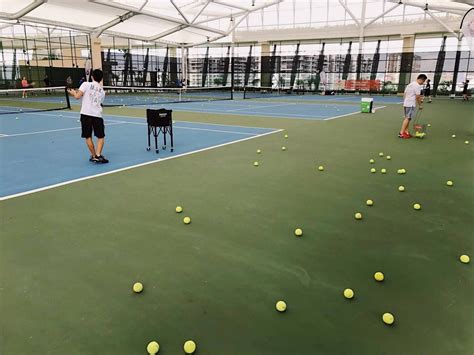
(404, 135)
(101, 159)
(93, 159)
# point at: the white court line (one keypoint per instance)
(76, 114)
(198, 129)
(259, 107)
(51, 130)
(3, 135)
(350, 114)
(132, 167)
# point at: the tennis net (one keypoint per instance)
(259, 92)
(146, 96)
(34, 100)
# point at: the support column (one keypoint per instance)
(456, 68)
(266, 67)
(439, 66)
(96, 53)
(406, 62)
(173, 66)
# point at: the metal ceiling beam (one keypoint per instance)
(230, 5)
(22, 12)
(200, 11)
(450, 7)
(154, 15)
(382, 14)
(179, 11)
(449, 29)
(349, 12)
(98, 30)
(237, 14)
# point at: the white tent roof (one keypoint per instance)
(192, 22)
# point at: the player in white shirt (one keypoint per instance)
(92, 95)
(411, 98)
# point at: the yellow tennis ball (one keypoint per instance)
(370, 203)
(298, 232)
(373, 170)
(399, 171)
(286, 135)
(383, 171)
(371, 161)
(429, 124)
(321, 168)
(283, 148)
(417, 206)
(153, 347)
(388, 318)
(466, 142)
(379, 276)
(179, 209)
(358, 215)
(464, 259)
(255, 163)
(453, 136)
(380, 154)
(137, 287)
(186, 220)
(449, 183)
(348, 293)
(280, 306)
(189, 347)
(389, 157)
(401, 188)
(403, 171)
(258, 151)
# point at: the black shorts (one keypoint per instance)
(427, 92)
(92, 123)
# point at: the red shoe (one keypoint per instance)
(404, 135)
(408, 134)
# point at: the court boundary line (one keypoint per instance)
(350, 114)
(53, 130)
(49, 187)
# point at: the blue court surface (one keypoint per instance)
(299, 107)
(42, 149)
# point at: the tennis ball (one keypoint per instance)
(388, 318)
(16, 118)
(348, 293)
(321, 168)
(454, 136)
(373, 170)
(383, 171)
(429, 124)
(286, 135)
(466, 142)
(417, 206)
(298, 232)
(281, 306)
(179, 209)
(371, 161)
(186, 220)
(283, 148)
(389, 157)
(137, 287)
(255, 163)
(399, 171)
(379, 276)
(258, 151)
(370, 203)
(401, 188)
(380, 154)
(464, 259)
(358, 215)
(449, 183)
(404, 171)
(189, 347)
(153, 347)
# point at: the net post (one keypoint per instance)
(68, 102)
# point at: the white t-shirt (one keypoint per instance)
(411, 91)
(92, 99)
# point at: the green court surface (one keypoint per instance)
(70, 255)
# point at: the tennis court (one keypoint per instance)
(319, 197)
